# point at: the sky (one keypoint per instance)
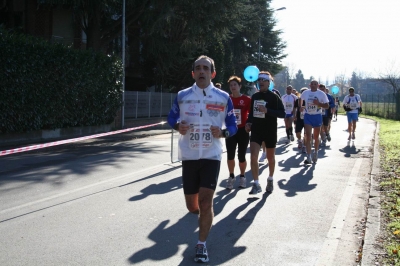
(329, 38)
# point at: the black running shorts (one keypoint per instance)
(268, 135)
(199, 173)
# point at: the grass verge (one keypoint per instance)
(389, 143)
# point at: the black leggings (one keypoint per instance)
(240, 139)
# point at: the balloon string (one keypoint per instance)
(258, 87)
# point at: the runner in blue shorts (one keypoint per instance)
(315, 100)
(353, 105)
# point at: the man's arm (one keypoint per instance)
(174, 114)
(230, 119)
(279, 112)
(250, 116)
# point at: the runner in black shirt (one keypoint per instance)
(266, 107)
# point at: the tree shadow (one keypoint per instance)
(54, 164)
(299, 182)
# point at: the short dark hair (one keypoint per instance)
(235, 78)
(205, 57)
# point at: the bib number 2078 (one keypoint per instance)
(196, 136)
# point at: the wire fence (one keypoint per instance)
(140, 104)
(382, 105)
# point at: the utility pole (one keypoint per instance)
(123, 66)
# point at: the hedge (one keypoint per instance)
(49, 86)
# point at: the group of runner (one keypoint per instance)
(200, 111)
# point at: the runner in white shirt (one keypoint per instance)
(353, 106)
(288, 101)
(316, 102)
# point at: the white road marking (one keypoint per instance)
(328, 251)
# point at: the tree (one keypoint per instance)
(391, 76)
(299, 82)
(341, 81)
(355, 81)
(101, 20)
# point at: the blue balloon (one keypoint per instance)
(251, 73)
(335, 89)
(271, 85)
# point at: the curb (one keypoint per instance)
(373, 223)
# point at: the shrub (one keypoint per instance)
(48, 86)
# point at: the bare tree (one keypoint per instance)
(341, 81)
(391, 76)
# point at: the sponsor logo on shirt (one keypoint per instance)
(215, 107)
(192, 114)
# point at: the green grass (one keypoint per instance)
(389, 142)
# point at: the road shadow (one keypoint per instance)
(158, 189)
(299, 182)
(295, 161)
(225, 234)
(350, 149)
(221, 242)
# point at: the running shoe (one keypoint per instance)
(307, 161)
(270, 186)
(353, 136)
(299, 144)
(263, 157)
(349, 137)
(315, 157)
(255, 189)
(242, 182)
(303, 150)
(230, 182)
(201, 254)
(291, 138)
(323, 143)
(328, 137)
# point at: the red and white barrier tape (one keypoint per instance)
(55, 143)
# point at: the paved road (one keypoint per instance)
(118, 201)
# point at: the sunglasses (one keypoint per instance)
(261, 79)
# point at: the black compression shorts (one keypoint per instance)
(241, 140)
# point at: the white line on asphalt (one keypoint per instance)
(329, 248)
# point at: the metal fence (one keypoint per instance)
(140, 104)
(382, 105)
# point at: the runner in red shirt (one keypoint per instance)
(241, 105)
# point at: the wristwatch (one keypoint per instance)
(225, 133)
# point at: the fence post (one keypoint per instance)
(137, 103)
(161, 102)
(149, 103)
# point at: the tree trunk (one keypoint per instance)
(93, 30)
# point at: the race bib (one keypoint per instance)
(288, 106)
(238, 115)
(199, 137)
(256, 112)
(312, 108)
(353, 105)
